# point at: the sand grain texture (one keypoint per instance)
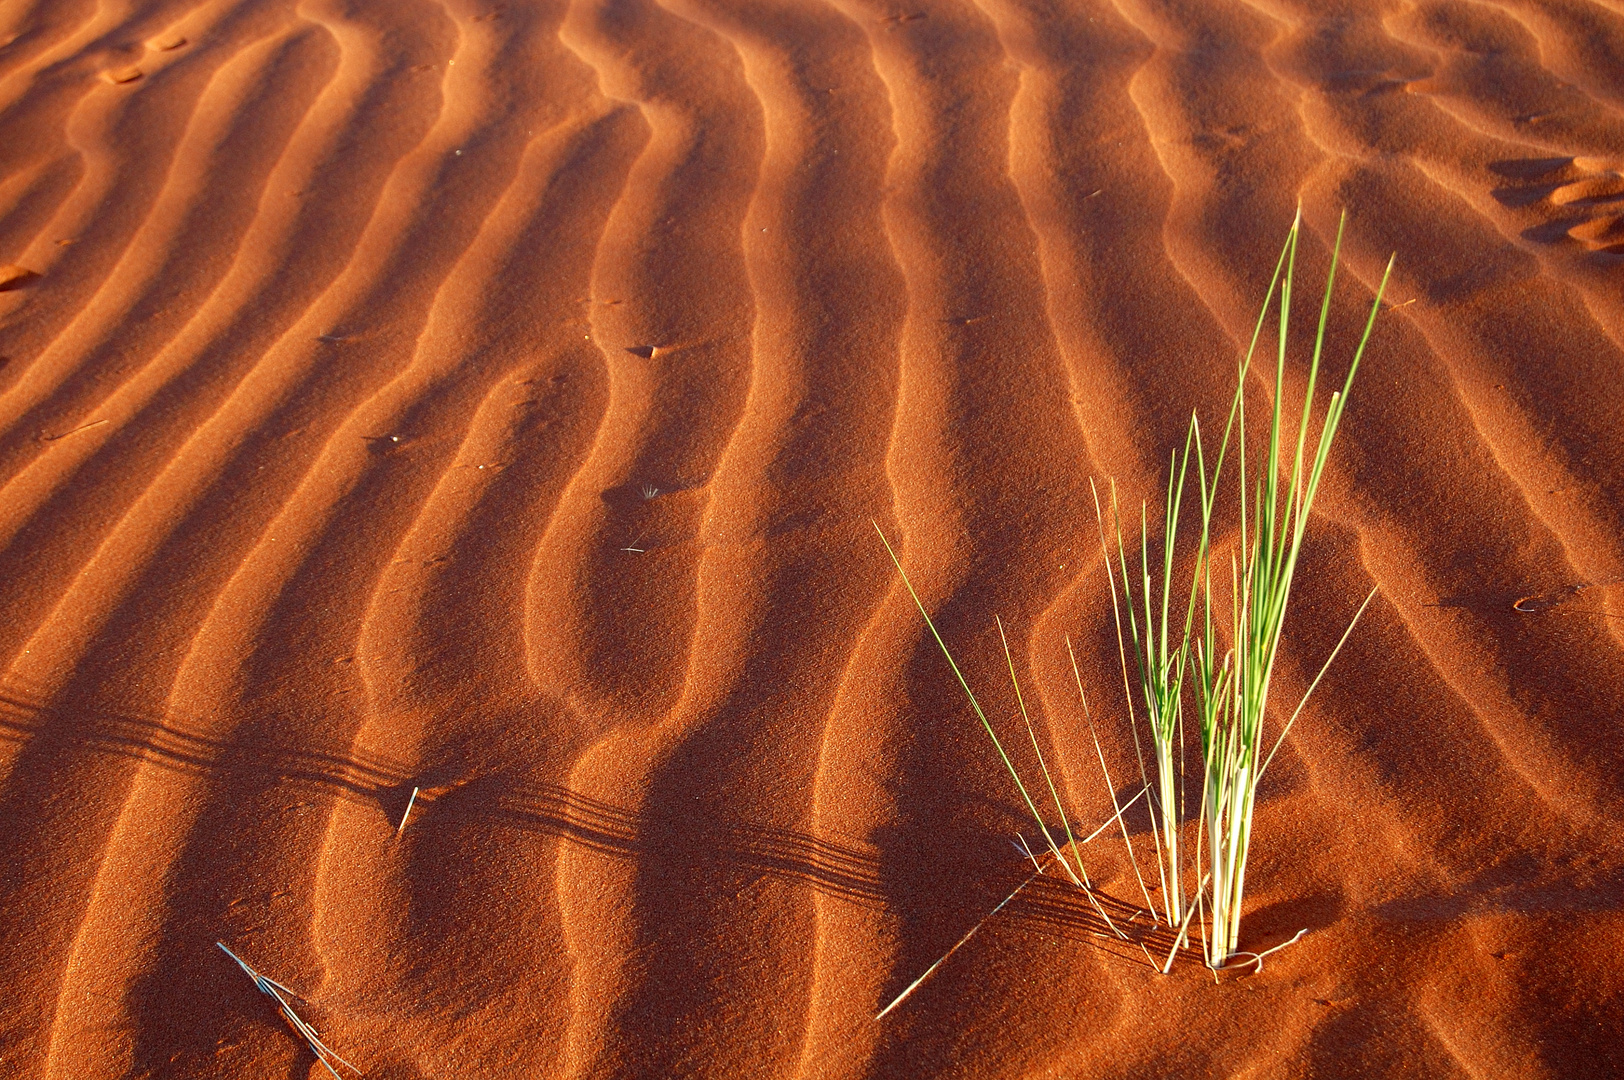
(493, 400)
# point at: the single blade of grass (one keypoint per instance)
(1109, 785)
(1053, 794)
(409, 804)
(957, 945)
(1026, 850)
(975, 705)
(1116, 818)
(280, 995)
(1311, 686)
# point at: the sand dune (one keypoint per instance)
(492, 400)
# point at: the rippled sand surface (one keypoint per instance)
(493, 399)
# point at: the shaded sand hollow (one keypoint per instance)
(492, 399)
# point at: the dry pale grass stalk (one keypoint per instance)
(409, 804)
(267, 985)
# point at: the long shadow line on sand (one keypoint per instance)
(853, 873)
(848, 871)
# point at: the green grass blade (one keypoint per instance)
(970, 694)
(1020, 700)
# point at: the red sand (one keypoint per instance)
(343, 345)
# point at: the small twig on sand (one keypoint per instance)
(276, 990)
(74, 431)
(409, 804)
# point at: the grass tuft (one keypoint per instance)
(1172, 659)
(1232, 689)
